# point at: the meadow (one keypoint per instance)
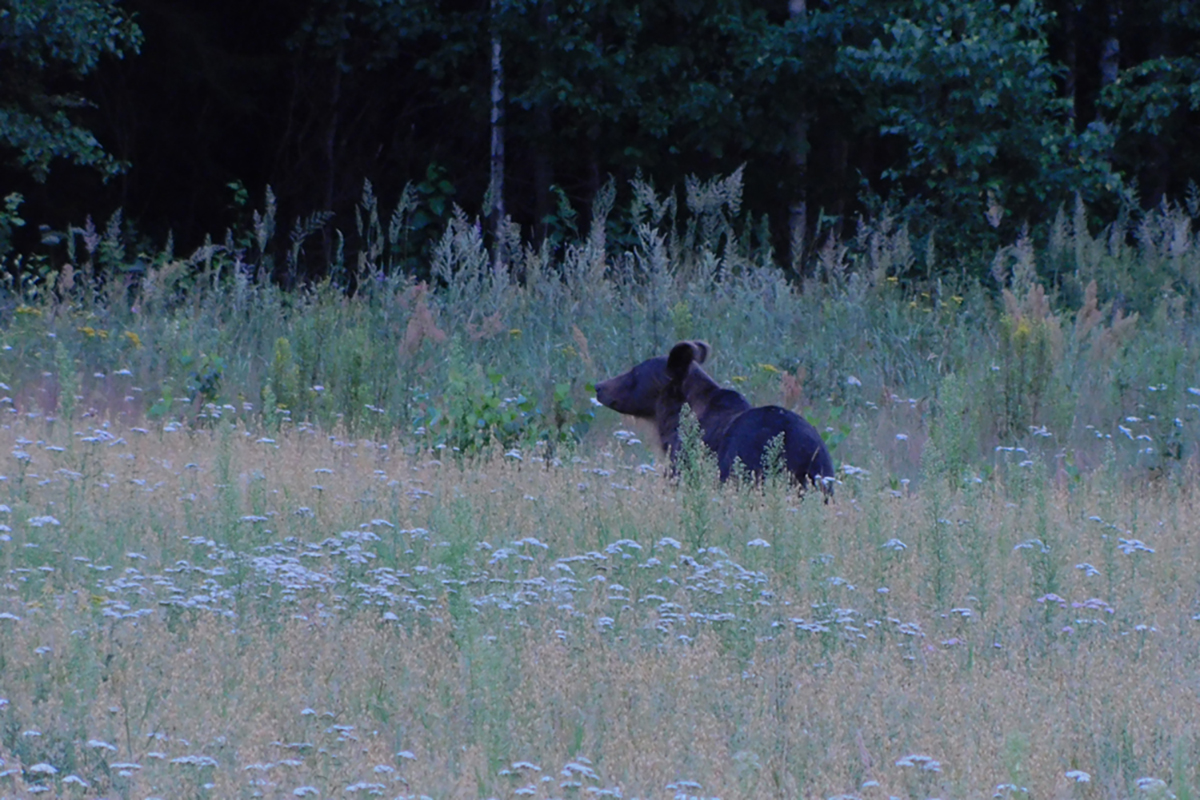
(258, 543)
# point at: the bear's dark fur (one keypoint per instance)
(657, 389)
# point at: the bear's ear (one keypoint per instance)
(702, 350)
(681, 357)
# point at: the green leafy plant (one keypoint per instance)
(1030, 341)
(161, 407)
(696, 466)
(42, 46)
(476, 412)
(203, 377)
(10, 218)
(68, 381)
(968, 91)
(475, 415)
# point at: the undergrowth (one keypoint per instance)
(1084, 342)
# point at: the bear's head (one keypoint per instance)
(637, 392)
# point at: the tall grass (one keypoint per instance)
(258, 542)
(221, 613)
(1065, 345)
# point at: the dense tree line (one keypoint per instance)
(981, 115)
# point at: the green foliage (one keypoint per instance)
(863, 352)
(951, 449)
(560, 224)
(832, 425)
(161, 407)
(960, 100)
(285, 375)
(1153, 104)
(681, 320)
(694, 461)
(474, 414)
(968, 90)
(696, 466)
(42, 44)
(1030, 341)
(204, 374)
(986, 114)
(774, 461)
(1148, 96)
(10, 218)
(569, 417)
(68, 382)
(432, 201)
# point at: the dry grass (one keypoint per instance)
(209, 613)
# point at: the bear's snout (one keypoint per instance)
(604, 393)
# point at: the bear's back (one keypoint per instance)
(748, 435)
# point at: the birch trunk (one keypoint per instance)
(798, 211)
(496, 184)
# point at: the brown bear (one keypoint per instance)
(657, 389)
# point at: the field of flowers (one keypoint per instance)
(257, 543)
(221, 613)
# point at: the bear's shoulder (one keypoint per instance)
(727, 401)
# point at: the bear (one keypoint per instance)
(657, 388)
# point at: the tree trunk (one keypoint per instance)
(1110, 48)
(331, 133)
(543, 167)
(496, 184)
(543, 171)
(798, 209)
(1070, 59)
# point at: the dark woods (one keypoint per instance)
(972, 117)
